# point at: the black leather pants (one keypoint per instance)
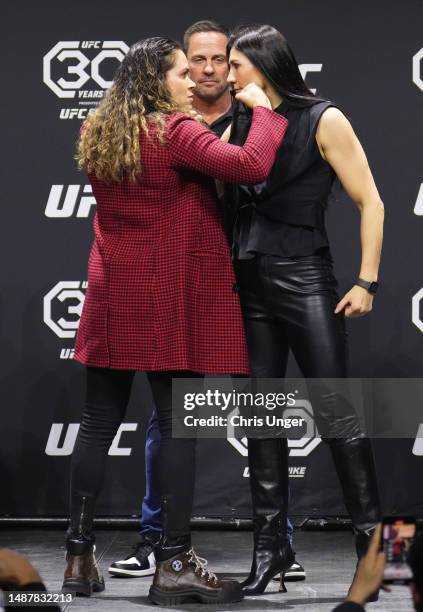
(289, 303)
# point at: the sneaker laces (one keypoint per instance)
(200, 564)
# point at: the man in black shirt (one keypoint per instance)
(205, 44)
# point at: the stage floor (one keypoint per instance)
(328, 558)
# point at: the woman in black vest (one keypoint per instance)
(287, 288)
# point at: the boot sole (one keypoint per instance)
(164, 598)
(82, 588)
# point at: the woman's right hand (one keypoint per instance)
(252, 95)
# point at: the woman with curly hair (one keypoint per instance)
(160, 295)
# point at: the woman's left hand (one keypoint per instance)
(357, 302)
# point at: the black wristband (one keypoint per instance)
(371, 286)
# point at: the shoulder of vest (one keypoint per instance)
(319, 108)
(316, 111)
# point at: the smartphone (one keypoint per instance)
(398, 533)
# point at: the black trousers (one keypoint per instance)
(289, 303)
(107, 396)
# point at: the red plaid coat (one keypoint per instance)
(161, 288)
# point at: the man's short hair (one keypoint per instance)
(204, 26)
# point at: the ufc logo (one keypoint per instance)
(61, 440)
(417, 69)
(418, 208)
(74, 200)
(306, 68)
(415, 309)
(418, 443)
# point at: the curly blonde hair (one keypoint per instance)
(109, 144)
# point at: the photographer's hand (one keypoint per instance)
(15, 569)
(369, 575)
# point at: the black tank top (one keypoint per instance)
(285, 215)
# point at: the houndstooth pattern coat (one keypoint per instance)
(161, 288)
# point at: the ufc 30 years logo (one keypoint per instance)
(81, 71)
(62, 307)
(301, 447)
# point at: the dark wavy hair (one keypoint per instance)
(109, 145)
(269, 51)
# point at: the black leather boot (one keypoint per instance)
(268, 464)
(355, 466)
(82, 574)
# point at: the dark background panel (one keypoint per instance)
(366, 49)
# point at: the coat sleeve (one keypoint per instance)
(194, 147)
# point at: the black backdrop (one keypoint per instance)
(366, 56)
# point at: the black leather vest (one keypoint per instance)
(298, 187)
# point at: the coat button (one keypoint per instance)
(235, 288)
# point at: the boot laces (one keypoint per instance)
(200, 564)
